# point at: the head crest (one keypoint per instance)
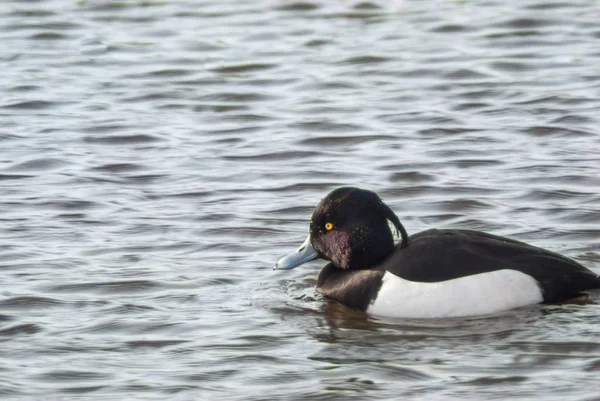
(391, 216)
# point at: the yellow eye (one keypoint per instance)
(328, 226)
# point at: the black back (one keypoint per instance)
(438, 255)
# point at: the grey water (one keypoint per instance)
(157, 157)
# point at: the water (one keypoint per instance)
(157, 157)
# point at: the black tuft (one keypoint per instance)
(391, 216)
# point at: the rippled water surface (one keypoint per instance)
(157, 157)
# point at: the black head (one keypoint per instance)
(349, 227)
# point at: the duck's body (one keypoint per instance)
(435, 273)
(457, 273)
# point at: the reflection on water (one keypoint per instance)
(157, 157)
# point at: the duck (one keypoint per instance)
(436, 273)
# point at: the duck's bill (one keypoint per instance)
(305, 253)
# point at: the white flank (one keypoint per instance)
(478, 294)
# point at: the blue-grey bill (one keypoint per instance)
(305, 253)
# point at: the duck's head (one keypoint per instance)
(349, 228)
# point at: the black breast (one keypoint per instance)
(354, 288)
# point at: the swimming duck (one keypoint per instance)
(431, 274)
